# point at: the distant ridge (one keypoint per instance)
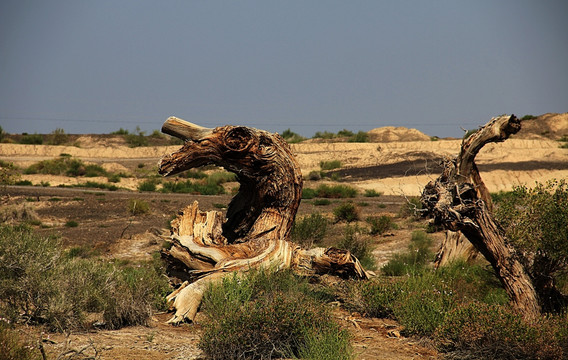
(547, 126)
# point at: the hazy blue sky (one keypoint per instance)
(96, 66)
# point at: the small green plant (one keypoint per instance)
(309, 230)
(314, 175)
(360, 137)
(23, 183)
(330, 164)
(336, 191)
(291, 137)
(528, 117)
(136, 140)
(267, 315)
(138, 207)
(58, 137)
(12, 347)
(71, 224)
(412, 208)
(414, 260)
(372, 193)
(346, 212)
(321, 202)
(219, 206)
(35, 139)
(147, 185)
(120, 131)
(359, 244)
(380, 224)
(308, 193)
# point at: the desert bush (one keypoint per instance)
(136, 140)
(308, 193)
(324, 135)
(360, 137)
(8, 173)
(35, 139)
(267, 315)
(96, 185)
(23, 183)
(13, 348)
(220, 177)
(478, 330)
(138, 207)
(412, 208)
(193, 174)
(58, 137)
(360, 245)
(192, 188)
(414, 260)
(528, 117)
(372, 193)
(147, 185)
(346, 212)
(39, 284)
(291, 137)
(314, 175)
(71, 223)
(380, 224)
(321, 202)
(120, 131)
(336, 191)
(65, 165)
(2, 134)
(309, 230)
(330, 165)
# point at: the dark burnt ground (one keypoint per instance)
(433, 166)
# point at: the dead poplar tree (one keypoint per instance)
(256, 229)
(459, 200)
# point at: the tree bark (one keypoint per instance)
(255, 232)
(460, 201)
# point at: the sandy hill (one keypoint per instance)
(391, 133)
(548, 126)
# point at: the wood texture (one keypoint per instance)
(460, 201)
(255, 232)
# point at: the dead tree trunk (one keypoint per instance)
(460, 201)
(206, 246)
(455, 246)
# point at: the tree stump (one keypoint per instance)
(256, 229)
(460, 201)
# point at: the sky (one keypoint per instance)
(439, 66)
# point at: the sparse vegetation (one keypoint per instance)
(71, 223)
(58, 137)
(309, 230)
(380, 224)
(138, 207)
(359, 244)
(291, 137)
(372, 193)
(267, 315)
(330, 165)
(346, 212)
(40, 285)
(412, 261)
(35, 139)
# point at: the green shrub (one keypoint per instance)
(192, 188)
(23, 183)
(360, 137)
(138, 207)
(291, 137)
(147, 185)
(380, 224)
(414, 260)
(58, 137)
(221, 177)
(136, 140)
(13, 348)
(324, 135)
(359, 245)
(35, 139)
(346, 212)
(336, 191)
(372, 193)
(330, 165)
(528, 117)
(309, 230)
(268, 315)
(492, 331)
(308, 193)
(314, 175)
(120, 131)
(321, 202)
(71, 223)
(97, 185)
(40, 284)
(412, 208)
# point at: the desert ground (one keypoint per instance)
(398, 163)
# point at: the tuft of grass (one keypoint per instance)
(147, 185)
(308, 193)
(190, 187)
(412, 208)
(314, 175)
(335, 191)
(330, 164)
(321, 202)
(23, 183)
(138, 207)
(35, 139)
(71, 224)
(414, 260)
(360, 245)
(346, 212)
(267, 315)
(309, 230)
(12, 347)
(380, 224)
(372, 193)
(360, 137)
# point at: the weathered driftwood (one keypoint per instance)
(460, 201)
(206, 245)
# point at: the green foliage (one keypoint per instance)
(324, 135)
(372, 193)
(314, 175)
(358, 244)
(469, 133)
(336, 191)
(267, 315)
(147, 185)
(65, 165)
(360, 137)
(136, 140)
(13, 348)
(23, 183)
(330, 165)
(380, 224)
(58, 137)
(71, 223)
(308, 193)
(97, 185)
(493, 331)
(2, 134)
(120, 131)
(321, 202)
(412, 208)
(309, 230)
(40, 284)
(35, 139)
(346, 212)
(192, 188)
(8, 173)
(536, 222)
(291, 137)
(414, 260)
(528, 117)
(220, 177)
(345, 133)
(138, 207)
